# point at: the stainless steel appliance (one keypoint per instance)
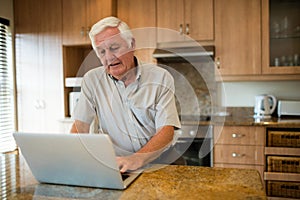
(195, 144)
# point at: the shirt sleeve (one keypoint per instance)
(85, 108)
(166, 107)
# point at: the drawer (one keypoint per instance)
(241, 135)
(283, 164)
(239, 154)
(283, 189)
(284, 139)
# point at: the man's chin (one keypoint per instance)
(115, 74)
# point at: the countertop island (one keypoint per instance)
(163, 182)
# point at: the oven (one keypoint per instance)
(194, 144)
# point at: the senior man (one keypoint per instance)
(133, 102)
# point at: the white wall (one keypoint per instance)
(242, 94)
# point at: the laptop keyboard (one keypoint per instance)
(124, 176)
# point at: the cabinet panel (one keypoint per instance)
(137, 13)
(189, 18)
(240, 135)
(199, 19)
(98, 9)
(239, 154)
(238, 36)
(80, 15)
(140, 15)
(74, 21)
(170, 16)
(39, 81)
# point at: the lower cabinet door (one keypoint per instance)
(239, 154)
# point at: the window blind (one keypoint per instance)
(7, 119)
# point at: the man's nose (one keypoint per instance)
(110, 56)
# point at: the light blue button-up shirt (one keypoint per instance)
(130, 115)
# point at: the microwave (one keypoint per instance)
(288, 107)
(73, 99)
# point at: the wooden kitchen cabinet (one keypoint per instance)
(238, 37)
(38, 55)
(80, 15)
(282, 172)
(140, 15)
(281, 37)
(239, 147)
(189, 18)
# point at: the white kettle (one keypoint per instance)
(265, 105)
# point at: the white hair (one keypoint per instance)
(111, 22)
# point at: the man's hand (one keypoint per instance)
(132, 162)
(152, 150)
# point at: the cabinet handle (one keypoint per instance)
(88, 31)
(187, 29)
(236, 135)
(40, 104)
(180, 29)
(237, 155)
(82, 32)
(217, 62)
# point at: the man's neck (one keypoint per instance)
(130, 76)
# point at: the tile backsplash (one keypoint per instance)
(195, 87)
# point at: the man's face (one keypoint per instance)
(114, 52)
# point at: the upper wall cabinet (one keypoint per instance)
(281, 36)
(38, 63)
(80, 15)
(238, 37)
(189, 18)
(140, 15)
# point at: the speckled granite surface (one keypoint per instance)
(243, 116)
(191, 182)
(168, 182)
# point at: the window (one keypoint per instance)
(7, 110)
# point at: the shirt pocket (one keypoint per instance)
(145, 117)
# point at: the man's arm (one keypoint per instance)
(80, 127)
(155, 146)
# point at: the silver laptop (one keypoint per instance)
(73, 159)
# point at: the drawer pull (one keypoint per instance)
(235, 135)
(180, 29)
(236, 155)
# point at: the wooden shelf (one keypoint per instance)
(282, 151)
(278, 176)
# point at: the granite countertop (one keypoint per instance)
(163, 182)
(243, 116)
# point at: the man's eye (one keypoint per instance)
(102, 52)
(114, 48)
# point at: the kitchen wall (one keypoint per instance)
(242, 94)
